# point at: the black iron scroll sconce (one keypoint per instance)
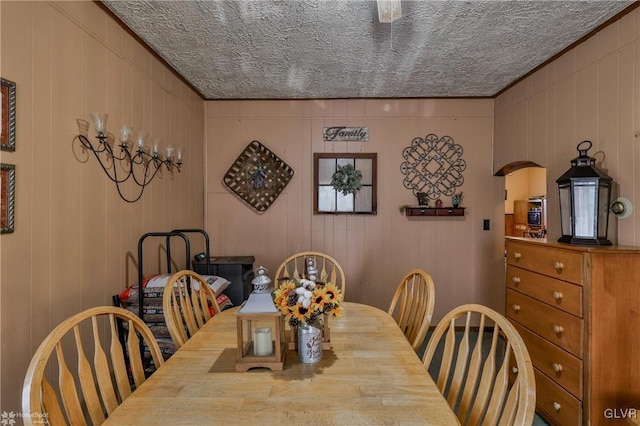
(142, 163)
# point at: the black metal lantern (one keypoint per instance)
(585, 194)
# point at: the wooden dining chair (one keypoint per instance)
(412, 306)
(329, 269)
(474, 374)
(90, 394)
(188, 303)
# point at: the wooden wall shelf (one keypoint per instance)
(434, 211)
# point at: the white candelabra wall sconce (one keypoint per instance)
(128, 159)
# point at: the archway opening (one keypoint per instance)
(525, 206)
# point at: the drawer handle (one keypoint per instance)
(557, 406)
(516, 308)
(557, 367)
(558, 266)
(558, 329)
(515, 280)
(517, 255)
(557, 295)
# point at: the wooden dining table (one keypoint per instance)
(371, 375)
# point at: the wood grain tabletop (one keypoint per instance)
(371, 375)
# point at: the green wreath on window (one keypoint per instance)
(347, 179)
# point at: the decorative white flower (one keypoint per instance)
(308, 284)
(304, 296)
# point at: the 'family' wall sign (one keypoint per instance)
(342, 133)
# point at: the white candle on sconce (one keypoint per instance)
(262, 341)
(169, 152)
(179, 153)
(100, 122)
(156, 148)
(142, 140)
(125, 134)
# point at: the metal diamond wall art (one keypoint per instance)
(433, 166)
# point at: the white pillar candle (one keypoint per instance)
(262, 341)
(125, 134)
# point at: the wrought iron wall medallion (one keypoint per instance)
(258, 176)
(433, 165)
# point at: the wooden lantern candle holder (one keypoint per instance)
(251, 349)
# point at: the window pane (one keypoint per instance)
(326, 169)
(603, 210)
(365, 165)
(584, 209)
(344, 203)
(326, 199)
(363, 199)
(344, 161)
(565, 204)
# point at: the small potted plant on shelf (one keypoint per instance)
(455, 200)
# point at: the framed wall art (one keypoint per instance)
(8, 108)
(345, 183)
(7, 197)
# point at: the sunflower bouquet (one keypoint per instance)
(303, 301)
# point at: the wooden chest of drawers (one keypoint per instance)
(578, 311)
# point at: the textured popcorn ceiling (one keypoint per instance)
(286, 49)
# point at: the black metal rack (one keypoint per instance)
(168, 236)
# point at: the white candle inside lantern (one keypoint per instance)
(262, 341)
